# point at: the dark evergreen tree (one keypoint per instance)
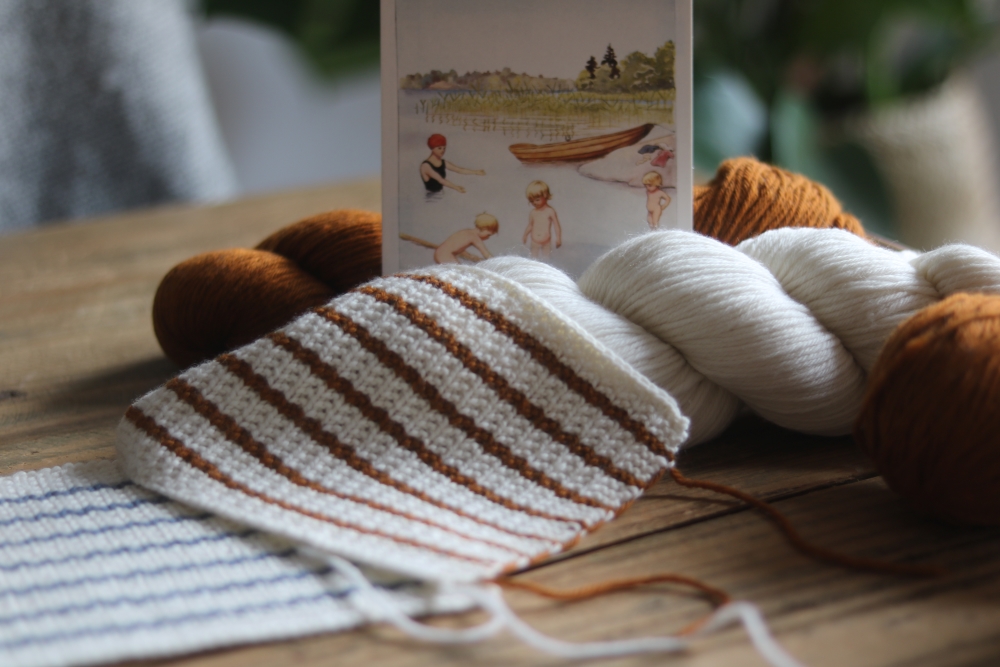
(591, 66)
(611, 61)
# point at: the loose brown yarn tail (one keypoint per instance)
(747, 198)
(717, 596)
(800, 543)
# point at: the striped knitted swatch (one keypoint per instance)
(94, 568)
(444, 424)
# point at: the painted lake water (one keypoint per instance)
(595, 215)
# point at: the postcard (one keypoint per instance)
(553, 129)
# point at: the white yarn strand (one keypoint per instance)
(377, 606)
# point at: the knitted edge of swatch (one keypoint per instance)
(444, 424)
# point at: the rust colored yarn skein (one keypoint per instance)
(931, 415)
(747, 198)
(220, 300)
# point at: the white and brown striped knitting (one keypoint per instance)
(445, 424)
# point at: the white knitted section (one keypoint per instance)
(447, 425)
(95, 569)
(788, 323)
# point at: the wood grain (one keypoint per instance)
(76, 336)
(76, 347)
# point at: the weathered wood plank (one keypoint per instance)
(752, 455)
(76, 338)
(76, 347)
(824, 615)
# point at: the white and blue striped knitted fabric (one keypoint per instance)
(94, 568)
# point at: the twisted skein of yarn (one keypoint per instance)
(747, 198)
(220, 300)
(790, 323)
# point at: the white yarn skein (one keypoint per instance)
(789, 323)
(714, 406)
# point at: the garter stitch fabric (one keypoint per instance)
(96, 569)
(444, 424)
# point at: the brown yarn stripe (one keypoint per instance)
(429, 393)
(398, 432)
(241, 437)
(312, 427)
(547, 358)
(147, 424)
(499, 384)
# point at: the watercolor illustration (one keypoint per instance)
(551, 100)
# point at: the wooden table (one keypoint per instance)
(77, 346)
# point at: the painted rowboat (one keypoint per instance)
(578, 150)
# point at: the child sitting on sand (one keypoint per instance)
(541, 221)
(454, 245)
(656, 199)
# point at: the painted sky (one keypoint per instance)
(548, 37)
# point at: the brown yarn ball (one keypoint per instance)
(747, 198)
(220, 300)
(931, 415)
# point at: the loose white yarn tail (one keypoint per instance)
(377, 606)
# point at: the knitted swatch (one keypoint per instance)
(445, 424)
(94, 568)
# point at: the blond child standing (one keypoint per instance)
(542, 220)
(454, 245)
(656, 199)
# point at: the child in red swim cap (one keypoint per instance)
(433, 169)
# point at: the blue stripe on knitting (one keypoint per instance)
(143, 548)
(124, 576)
(97, 631)
(161, 597)
(104, 529)
(82, 511)
(64, 492)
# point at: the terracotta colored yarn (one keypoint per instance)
(747, 198)
(220, 300)
(930, 419)
(931, 416)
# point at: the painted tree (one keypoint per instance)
(664, 58)
(591, 66)
(638, 71)
(611, 61)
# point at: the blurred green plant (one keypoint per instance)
(336, 36)
(773, 76)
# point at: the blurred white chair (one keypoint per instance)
(103, 107)
(284, 126)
